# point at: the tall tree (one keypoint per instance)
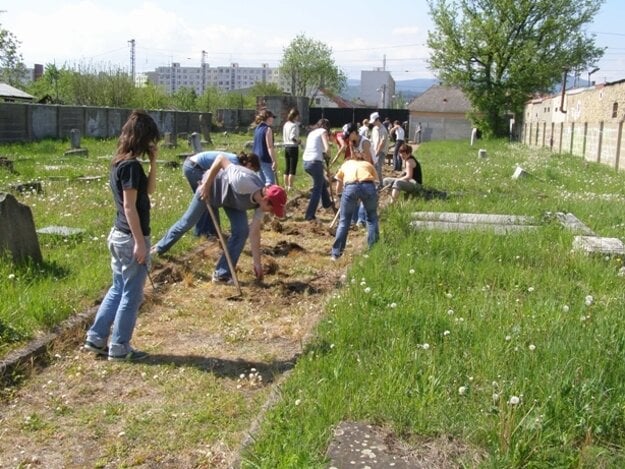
(11, 67)
(500, 52)
(308, 66)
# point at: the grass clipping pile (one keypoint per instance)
(211, 366)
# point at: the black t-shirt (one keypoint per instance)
(129, 174)
(416, 172)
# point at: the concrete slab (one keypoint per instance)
(455, 226)
(63, 231)
(479, 218)
(362, 445)
(599, 245)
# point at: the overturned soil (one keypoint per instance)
(214, 358)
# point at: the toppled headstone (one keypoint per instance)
(599, 245)
(90, 178)
(573, 223)
(33, 186)
(451, 221)
(75, 150)
(17, 230)
(519, 173)
(449, 226)
(62, 231)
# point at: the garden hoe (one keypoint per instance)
(222, 241)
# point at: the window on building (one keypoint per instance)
(614, 110)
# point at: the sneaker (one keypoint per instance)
(90, 346)
(132, 356)
(334, 258)
(222, 280)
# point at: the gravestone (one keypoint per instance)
(17, 230)
(205, 127)
(169, 140)
(33, 186)
(61, 231)
(74, 138)
(599, 245)
(196, 143)
(519, 173)
(6, 163)
(482, 153)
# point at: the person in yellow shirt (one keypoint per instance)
(356, 178)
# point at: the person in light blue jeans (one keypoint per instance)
(197, 208)
(317, 146)
(238, 189)
(193, 169)
(128, 241)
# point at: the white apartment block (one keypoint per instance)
(377, 88)
(234, 77)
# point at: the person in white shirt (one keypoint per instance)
(379, 141)
(291, 140)
(400, 139)
(317, 147)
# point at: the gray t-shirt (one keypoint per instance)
(234, 188)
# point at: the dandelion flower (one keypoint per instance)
(368, 289)
(393, 305)
(514, 400)
(425, 346)
(448, 295)
(508, 338)
(11, 276)
(565, 308)
(532, 347)
(530, 289)
(298, 401)
(462, 390)
(589, 300)
(495, 398)
(446, 333)
(411, 271)
(450, 312)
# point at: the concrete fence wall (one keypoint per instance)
(21, 122)
(591, 125)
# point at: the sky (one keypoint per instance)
(363, 35)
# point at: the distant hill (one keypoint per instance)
(409, 88)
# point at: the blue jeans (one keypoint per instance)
(396, 158)
(194, 174)
(378, 166)
(195, 211)
(120, 306)
(352, 193)
(266, 174)
(319, 189)
(239, 231)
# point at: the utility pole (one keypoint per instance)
(132, 60)
(203, 71)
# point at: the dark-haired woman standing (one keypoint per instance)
(128, 241)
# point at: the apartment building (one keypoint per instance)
(226, 78)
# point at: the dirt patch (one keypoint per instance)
(211, 366)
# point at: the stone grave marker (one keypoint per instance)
(62, 231)
(17, 230)
(482, 153)
(75, 150)
(599, 245)
(205, 127)
(519, 173)
(196, 142)
(169, 140)
(6, 163)
(33, 186)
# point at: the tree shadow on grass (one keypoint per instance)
(223, 368)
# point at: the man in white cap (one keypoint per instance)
(379, 142)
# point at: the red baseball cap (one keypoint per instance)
(277, 197)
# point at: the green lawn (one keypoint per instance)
(513, 344)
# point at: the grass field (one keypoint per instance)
(511, 344)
